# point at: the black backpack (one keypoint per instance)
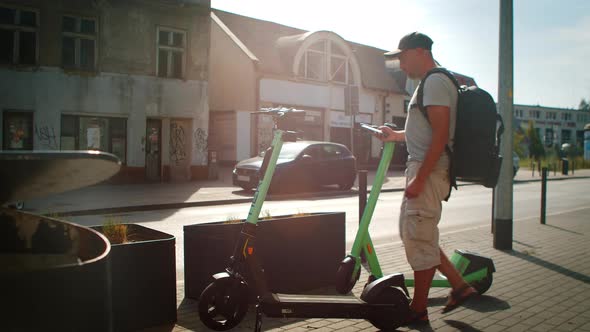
(476, 152)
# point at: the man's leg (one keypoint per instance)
(449, 271)
(461, 290)
(422, 281)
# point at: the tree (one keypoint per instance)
(584, 105)
(518, 138)
(536, 149)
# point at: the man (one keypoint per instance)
(427, 176)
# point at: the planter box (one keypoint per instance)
(298, 253)
(54, 275)
(143, 274)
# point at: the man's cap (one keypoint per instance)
(410, 41)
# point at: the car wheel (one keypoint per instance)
(346, 185)
(246, 188)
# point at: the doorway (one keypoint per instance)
(153, 150)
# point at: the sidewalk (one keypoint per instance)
(109, 198)
(543, 284)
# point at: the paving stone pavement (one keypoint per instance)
(543, 284)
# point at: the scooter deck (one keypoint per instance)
(317, 306)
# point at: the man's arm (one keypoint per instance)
(390, 135)
(439, 117)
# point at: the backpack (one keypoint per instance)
(476, 152)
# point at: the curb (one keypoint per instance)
(169, 206)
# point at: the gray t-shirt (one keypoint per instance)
(439, 91)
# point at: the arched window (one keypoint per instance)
(325, 61)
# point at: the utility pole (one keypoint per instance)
(502, 217)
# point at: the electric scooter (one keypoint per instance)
(476, 269)
(224, 303)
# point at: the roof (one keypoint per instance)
(275, 45)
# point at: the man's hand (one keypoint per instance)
(390, 135)
(414, 188)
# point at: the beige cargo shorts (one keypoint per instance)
(419, 217)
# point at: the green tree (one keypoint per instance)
(584, 105)
(536, 149)
(518, 138)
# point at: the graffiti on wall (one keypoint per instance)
(46, 137)
(177, 143)
(200, 137)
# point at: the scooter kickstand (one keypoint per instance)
(258, 323)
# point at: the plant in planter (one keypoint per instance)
(299, 252)
(143, 274)
(115, 231)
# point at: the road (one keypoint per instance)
(470, 206)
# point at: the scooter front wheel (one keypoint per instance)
(344, 276)
(223, 304)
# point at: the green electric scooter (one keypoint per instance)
(476, 269)
(224, 302)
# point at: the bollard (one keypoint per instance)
(573, 166)
(543, 195)
(533, 169)
(362, 193)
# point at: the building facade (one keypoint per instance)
(125, 77)
(555, 126)
(256, 64)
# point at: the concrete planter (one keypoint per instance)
(54, 275)
(298, 253)
(143, 274)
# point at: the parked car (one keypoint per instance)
(302, 166)
(515, 163)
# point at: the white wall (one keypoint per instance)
(243, 135)
(49, 93)
(305, 94)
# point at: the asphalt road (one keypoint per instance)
(470, 206)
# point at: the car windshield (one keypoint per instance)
(289, 150)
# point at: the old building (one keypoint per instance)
(256, 64)
(126, 77)
(555, 126)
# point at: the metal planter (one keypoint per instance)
(298, 253)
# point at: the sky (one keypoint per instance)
(551, 38)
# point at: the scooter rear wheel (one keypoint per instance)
(395, 311)
(223, 304)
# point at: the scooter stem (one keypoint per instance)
(362, 238)
(264, 184)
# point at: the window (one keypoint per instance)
(548, 136)
(94, 133)
(566, 116)
(566, 136)
(171, 52)
(79, 42)
(18, 36)
(534, 114)
(326, 61)
(519, 113)
(551, 116)
(17, 130)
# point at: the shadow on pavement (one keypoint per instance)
(460, 326)
(486, 303)
(551, 266)
(563, 229)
